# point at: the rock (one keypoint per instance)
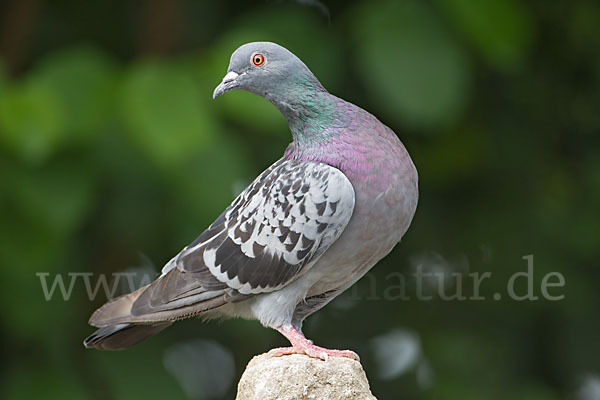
(299, 377)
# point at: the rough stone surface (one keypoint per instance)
(299, 377)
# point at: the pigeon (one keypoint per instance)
(339, 199)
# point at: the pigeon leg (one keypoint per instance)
(301, 345)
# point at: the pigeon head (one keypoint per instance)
(268, 70)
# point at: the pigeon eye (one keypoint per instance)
(258, 59)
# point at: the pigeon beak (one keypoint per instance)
(229, 82)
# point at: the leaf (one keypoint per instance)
(500, 29)
(32, 123)
(2, 76)
(84, 80)
(164, 113)
(207, 185)
(51, 382)
(413, 70)
(56, 198)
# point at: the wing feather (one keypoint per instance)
(271, 233)
(276, 229)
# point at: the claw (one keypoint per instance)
(301, 345)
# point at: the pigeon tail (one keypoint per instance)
(122, 336)
(117, 310)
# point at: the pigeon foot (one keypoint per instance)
(301, 345)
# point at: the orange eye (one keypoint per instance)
(258, 59)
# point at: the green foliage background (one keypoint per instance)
(111, 147)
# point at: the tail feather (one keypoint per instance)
(115, 311)
(121, 336)
(173, 296)
(129, 319)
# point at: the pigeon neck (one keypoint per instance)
(307, 110)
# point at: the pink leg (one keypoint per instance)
(301, 345)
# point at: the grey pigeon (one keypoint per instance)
(340, 198)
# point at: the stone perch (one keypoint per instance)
(299, 377)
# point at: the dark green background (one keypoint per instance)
(113, 156)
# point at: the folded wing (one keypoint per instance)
(272, 233)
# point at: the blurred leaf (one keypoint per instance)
(39, 217)
(411, 66)
(164, 113)
(532, 391)
(501, 29)
(24, 243)
(454, 158)
(84, 80)
(32, 123)
(50, 383)
(56, 198)
(209, 180)
(583, 27)
(454, 357)
(254, 112)
(2, 76)
(35, 317)
(144, 363)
